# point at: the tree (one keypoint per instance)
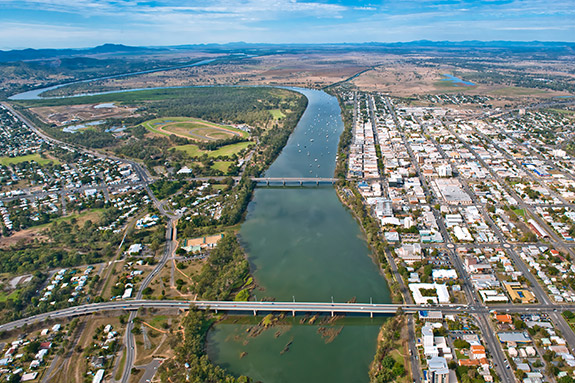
(460, 343)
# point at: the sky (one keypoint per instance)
(87, 23)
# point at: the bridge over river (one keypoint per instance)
(264, 307)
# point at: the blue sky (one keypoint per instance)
(85, 23)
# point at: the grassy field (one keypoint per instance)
(277, 114)
(446, 86)
(517, 91)
(30, 157)
(192, 128)
(519, 212)
(13, 295)
(93, 215)
(157, 321)
(222, 165)
(561, 111)
(228, 150)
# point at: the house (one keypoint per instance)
(477, 352)
(29, 376)
(504, 318)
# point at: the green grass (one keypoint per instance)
(277, 114)
(13, 295)
(30, 157)
(560, 111)
(94, 216)
(192, 150)
(228, 150)
(520, 212)
(120, 369)
(517, 91)
(222, 165)
(186, 126)
(158, 321)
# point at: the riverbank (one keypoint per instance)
(392, 360)
(351, 199)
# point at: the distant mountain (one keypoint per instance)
(43, 54)
(263, 48)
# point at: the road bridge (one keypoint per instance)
(264, 307)
(295, 180)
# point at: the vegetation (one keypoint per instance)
(385, 368)
(5, 161)
(69, 245)
(345, 138)
(226, 270)
(190, 363)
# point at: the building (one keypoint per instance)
(493, 296)
(441, 274)
(444, 171)
(477, 352)
(197, 244)
(135, 248)
(504, 318)
(518, 293)
(391, 236)
(431, 316)
(410, 253)
(99, 377)
(514, 337)
(437, 371)
(442, 295)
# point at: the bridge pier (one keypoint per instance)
(267, 182)
(317, 183)
(255, 312)
(293, 313)
(284, 182)
(371, 314)
(332, 313)
(300, 183)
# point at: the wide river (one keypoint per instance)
(303, 244)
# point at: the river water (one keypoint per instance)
(303, 244)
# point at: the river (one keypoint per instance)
(303, 244)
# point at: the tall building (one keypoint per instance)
(438, 372)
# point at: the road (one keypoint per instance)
(171, 233)
(413, 351)
(150, 370)
(475, 307)
(288, 307)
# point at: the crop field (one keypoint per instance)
(192, 128)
